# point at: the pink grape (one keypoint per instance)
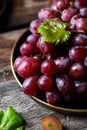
(46, 13)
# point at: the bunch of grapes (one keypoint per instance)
(56, 73)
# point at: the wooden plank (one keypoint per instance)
(32, 112)
(7, 40)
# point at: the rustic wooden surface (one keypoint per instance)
(12, 95)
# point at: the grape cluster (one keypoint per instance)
(56, 73)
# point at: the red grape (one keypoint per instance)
(48, 67)
(68, 13)
(44, 47)
(45, 83)
(64, 84)
(63, 64)
(77, 53)
(18, 61)
(46, 13)
(80, 40)
(30, 85)
(77, 70)
(29, 66)
(34, 25)
(81, 87)
(53, 97)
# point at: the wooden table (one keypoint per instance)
(12, 95)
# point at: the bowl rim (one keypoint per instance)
(61, 109)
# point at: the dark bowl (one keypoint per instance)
(15, 52)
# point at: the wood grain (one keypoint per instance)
(32, 112)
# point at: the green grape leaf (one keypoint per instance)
(11, 120)
(54, 31)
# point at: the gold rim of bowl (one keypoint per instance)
(61, 109)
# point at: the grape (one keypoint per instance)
(48, 67)
(29, 46)
(46, 13)
(30, 85)
(64, 84)
(45, 83)
(61, 5)
(80, 40)
(81, 87)
(29, 66)
(68, 13)
(63, 64)
(77, 70)
(73, 21)
(54, 97)
(34, 26)
(80, 3)
(44, 47)
(81, 24)
(18, 61)
(77, 53)
(83, 12)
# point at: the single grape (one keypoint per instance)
(83, 12)
(48, 67)
(80, 3)
(80, 40)
(61, 5)
(77, 70)
(45, 83)
(33, 27)
(81, 24)
(68, 13)
(44, 47)
(63, 64)
(28, 48)
(64, 84)
(54, 97)
(33, 37)
(81, 87)
(46, 13)
(28, 67)
(77, 53)
(30, 85)
(18, 61)
(73, 21)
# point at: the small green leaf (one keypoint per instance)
(54, 31)
(11, 120)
